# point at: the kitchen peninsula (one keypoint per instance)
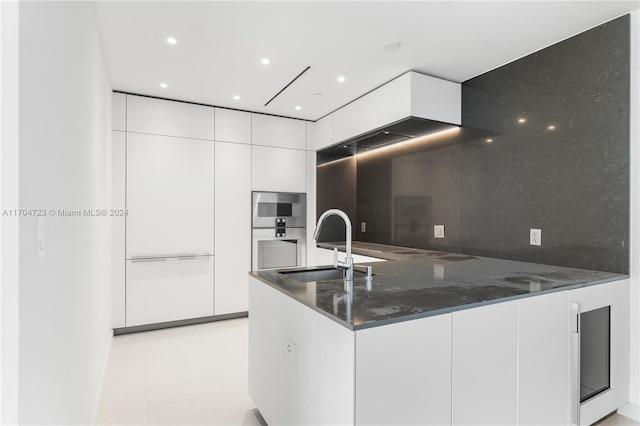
(439, 338)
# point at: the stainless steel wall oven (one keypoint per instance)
(278, 230)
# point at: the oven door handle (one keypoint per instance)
(574, 331)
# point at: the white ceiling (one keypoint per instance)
(221, 44)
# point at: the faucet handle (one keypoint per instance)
(335, 257)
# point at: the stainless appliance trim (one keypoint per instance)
(574, 323)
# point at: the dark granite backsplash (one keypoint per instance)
(544, 144)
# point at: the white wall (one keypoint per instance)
(64, 125)
(634, 355)
(9, 198)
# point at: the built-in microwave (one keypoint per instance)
(279, 230)
(279, 210)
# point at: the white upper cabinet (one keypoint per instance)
(410, 95)
(170, 198)
(321, 133)
(435, 99)
(418, 95)
(119, 111)
(169, 118)
(233, 126)
(279, 132)
(394, 100)
(278, 169)
(355, 118)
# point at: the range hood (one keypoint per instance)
(399, 131)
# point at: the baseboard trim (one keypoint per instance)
(179, 323)
(103, 377)
(631, 411)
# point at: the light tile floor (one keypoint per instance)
(191, 375)
(180, 376)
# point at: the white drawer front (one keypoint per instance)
(161, 290)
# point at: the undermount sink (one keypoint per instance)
(317, 274)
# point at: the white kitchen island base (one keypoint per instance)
(502, 363)
(305, 368)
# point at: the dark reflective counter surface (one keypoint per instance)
(416, 283)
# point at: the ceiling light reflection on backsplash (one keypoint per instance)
(426, 140)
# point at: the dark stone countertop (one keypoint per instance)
(419, 283)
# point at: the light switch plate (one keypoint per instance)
(438, 231)
(363, 226)
(42, 249)
(535, 237)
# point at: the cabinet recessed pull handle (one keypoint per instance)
(148, 259)
(159, 258)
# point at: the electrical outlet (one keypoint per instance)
(363, 226)
(438, 231)
(289, 349)
(438, 271)
(535, 237)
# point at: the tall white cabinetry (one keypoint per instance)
(185, 173)
(170, 203)
(233, 226)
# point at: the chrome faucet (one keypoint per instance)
(347, 265)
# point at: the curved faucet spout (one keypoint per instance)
(347, 265)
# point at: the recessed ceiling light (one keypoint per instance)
(489, 140)
(298, 107)
(522, 120)
(172, 40)
(551, 127)
(163, 85)
(392, 45)
(236, 97)
(265, 61)
(341, 79)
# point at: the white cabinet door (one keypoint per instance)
(233, 226)
(119, 111)
(321, 135)
(170, 118)
(278, 169)
(436, 99)
(355, 118)
(394, 100)
(170, 184)
(543, 350)
(162, 290)
(403, 373)
(278, 131)
(233, 126)
(118, 203)
(484, 365)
